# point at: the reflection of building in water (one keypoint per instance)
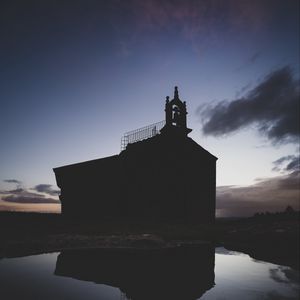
(161, 173)
(174, 273)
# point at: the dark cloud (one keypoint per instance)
(272, 194)
(15, 191)
(294, 164)
(289, 163)
(12, 181)
(283, 159)
(282, 274)
(47, 189)
(22, 195)
(273, 106)
(29, 199)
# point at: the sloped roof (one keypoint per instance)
(90, 163)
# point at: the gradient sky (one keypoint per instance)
(81, 72)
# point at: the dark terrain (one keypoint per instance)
(271, 237)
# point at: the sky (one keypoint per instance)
(78, 72)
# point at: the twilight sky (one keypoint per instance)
(81, 72)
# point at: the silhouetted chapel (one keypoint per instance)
(160, 174)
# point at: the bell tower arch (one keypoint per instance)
(176, 113)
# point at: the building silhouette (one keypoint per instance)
(160, 174)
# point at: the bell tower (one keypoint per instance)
(176, 115)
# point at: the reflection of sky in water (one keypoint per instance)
(33, 277)
(237, 276)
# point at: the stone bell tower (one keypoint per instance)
(176, 115)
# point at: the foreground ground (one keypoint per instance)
(268, 239)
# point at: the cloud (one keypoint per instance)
(288, 163)
(12, 181)
(29, 199)
(281, 160)
(294, 164)
(22, 195)
(47, 189)
(272, 106)
(271, 194)
(15, 191)
(289, 275)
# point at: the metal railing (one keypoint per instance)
(141, 134)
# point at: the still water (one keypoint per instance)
(89, 275)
